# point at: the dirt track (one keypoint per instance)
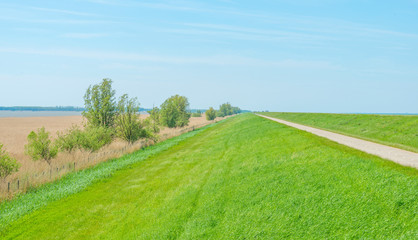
(400, 156)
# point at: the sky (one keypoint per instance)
(339, 56)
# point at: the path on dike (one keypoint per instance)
(397, 155)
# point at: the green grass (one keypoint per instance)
(245, 178)
(399, 131)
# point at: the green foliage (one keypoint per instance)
(40, 146)
(8, 165)
(210, 114)
(95, 138)
(227, 109)
(70, 140)
(399, 131)
(128, 126)
(174, 112)
(198, 113)
(246, 178)
(90, 139)
(154, 120)
(100, 104)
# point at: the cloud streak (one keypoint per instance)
(219, 60)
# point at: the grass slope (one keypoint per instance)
(394, 130)
(246, 178)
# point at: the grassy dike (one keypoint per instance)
(245, 178)
(399, 131)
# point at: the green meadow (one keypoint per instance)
(399, 131)
(244, 178)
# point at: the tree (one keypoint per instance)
(174, 112)
(8, 165)
(39, 146)
(100, 104)
(210, 114)
(128, 126)
(154, 119)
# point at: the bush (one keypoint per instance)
(174, 112)
(198, 113)
(95, 138)
(71, 140)
(90, 139)
(8, 165)
(210, 114)
(100, 104)
(128, 126)
(39, 146)
(153, 120)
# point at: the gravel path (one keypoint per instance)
(400, 156)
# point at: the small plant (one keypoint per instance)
(210, 114)
(39, 146)
(8, 165)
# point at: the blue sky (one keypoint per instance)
(283, 55)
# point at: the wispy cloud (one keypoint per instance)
(64, 11)
(84, 35)
(222, 60)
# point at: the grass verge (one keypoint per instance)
(399, 131)
(245, 178)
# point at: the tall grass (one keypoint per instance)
(394, 130)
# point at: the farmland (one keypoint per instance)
(399, 131)
(245, 177)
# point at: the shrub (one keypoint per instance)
(71, 140)
(198, 113)
(8, 165)
(90, 139)
(100, 104)
(128, 126)
(153, 120)
(174, 112)
(210, 114)
(39, 146)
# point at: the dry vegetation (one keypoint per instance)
(14, 132)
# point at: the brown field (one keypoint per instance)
(14, 132)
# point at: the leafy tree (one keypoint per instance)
(128, 126)
(154, 119)
(227, 109)
(174, 112)
(210, 114)
(39, 146)
(236, 110)
(8, 165)
(100, 104)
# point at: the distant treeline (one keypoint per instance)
(57, 108)
(33, 108)
(73, 109)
